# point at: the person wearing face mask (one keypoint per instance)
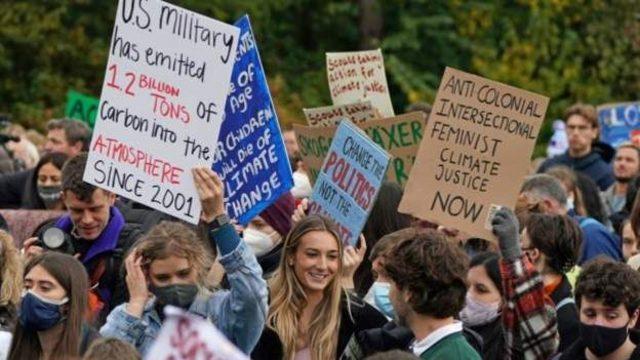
(51, 317)
(99, 236)
(168, 267)
(264, 233)
(483, 301)
(608, 298)
(552, 243)
(47, 183)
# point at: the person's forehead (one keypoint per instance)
(320, 240)
(627, 152)
(56, 133)
(38, 274)
(577, 120)
(598, 305)
(99, 197)
(169, 265)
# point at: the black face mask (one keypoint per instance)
(180, 295)
(603, 340)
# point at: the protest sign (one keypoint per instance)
(81, 107)
(400, 136)
(359, 76)
(185, 336)
(358, 113)
(251, 157)
(162, 103)
(618, 122)
(349, 180)
(475, 152)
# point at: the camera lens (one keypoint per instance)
(53, 238)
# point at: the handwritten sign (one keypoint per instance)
(349, 181)
(161, 107)
(81, 107)
(618, 122)
(251, 157)
(359, 76)
(400, 136)
(475, 152)
(358, 113)
(187, 337)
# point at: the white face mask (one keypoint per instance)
(260, 242)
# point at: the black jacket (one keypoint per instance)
(567, 314)
(593, 165)
(13, 187)
(364, 315)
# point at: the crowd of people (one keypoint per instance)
(92, 277)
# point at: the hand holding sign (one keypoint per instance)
(211, 192)
(351, 261)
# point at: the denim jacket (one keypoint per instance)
(238, 313)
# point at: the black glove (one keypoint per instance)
(505, 228)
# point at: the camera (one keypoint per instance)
(56, 240)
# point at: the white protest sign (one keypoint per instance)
(162, 103)
(185, 336)
(358, 113)
(359, 76)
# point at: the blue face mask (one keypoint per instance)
(381, 298)
(39, 314)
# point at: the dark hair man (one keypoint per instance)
(427, 277)
(98, 233)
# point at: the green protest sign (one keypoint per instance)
(81, 107)
(400, 136)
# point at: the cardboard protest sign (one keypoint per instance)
(400, 136)
(359, 76)
(162, 103)
(358, 113)
(251, 157)
(475, 152)
(81, 107)
(349, 181)
(618, 122)
(185, 337)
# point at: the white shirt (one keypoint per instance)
(419, 347)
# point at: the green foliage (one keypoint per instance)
(569, 50)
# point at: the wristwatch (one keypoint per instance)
(218, 222)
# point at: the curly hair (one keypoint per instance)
(558, 237)
(72, 173)
(611, 282)
(11, 271)
(433, 271)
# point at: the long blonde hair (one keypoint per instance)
(288, 298)
(10, 271)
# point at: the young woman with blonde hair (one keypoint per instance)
(10, 281)
(311, 315)
(168, 266)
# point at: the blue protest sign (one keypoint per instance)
(349, 180)
(250, 158)
(618, 121)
